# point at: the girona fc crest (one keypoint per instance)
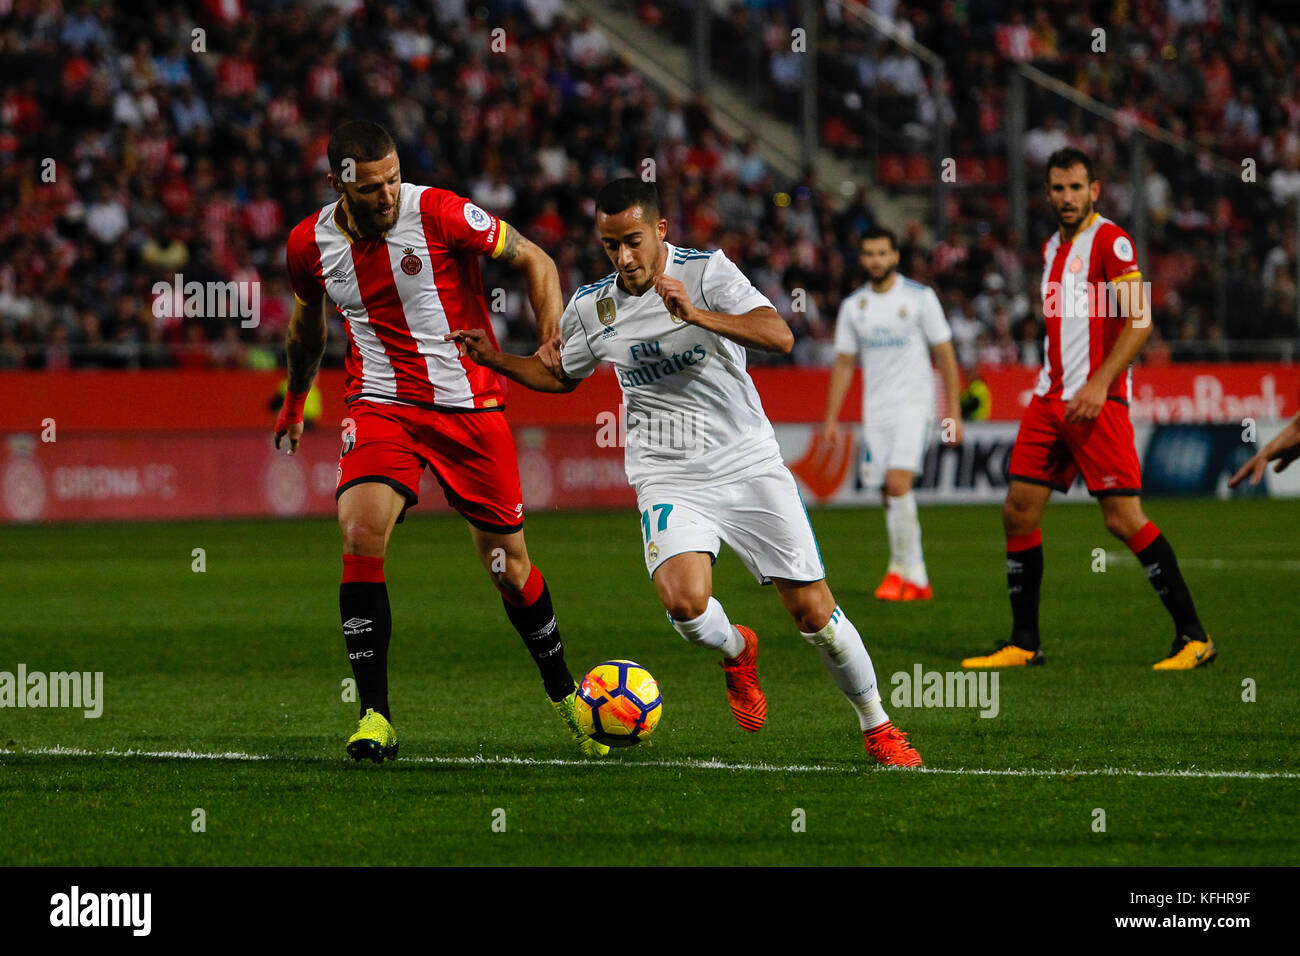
(411, 263)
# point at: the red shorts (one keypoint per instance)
(1051, 451)
(472, 454)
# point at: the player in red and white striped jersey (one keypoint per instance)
(1097, 316)
(400, 262)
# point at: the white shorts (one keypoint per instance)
(762, 518)
(898, 444)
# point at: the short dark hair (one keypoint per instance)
(361, 141)
(621, 194)
(880, 232)
(1067, 158)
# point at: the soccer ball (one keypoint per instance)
(619, 703)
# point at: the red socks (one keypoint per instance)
(358, 568)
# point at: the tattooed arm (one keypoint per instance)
(541, 277)
(304, 346)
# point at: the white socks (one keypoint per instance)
(711, 629)
(904, 528)
(843, 654)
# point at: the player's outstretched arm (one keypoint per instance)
(1284, 449)
(304, 346)
(1089, 399)
(528, 370)
(540, 276)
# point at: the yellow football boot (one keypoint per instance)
(1190, 654)
(1006, 654)
(375, 738)
(569, 715)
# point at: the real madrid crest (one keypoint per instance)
(652, 550)
(411, 263)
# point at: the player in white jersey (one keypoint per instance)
(700, 451)
(894, 325)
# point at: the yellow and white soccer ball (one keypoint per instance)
(619, 703)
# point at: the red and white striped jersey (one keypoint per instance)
(400, 293)
(1082, 322)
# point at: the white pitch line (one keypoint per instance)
(1218, 564)
(148, 754)
(1121, 772)
(667, 764)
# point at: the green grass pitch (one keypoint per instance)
(246, 660)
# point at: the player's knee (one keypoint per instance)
(1017, 518)
(898, 485)
(1123, 524)
(814, 631)
(363, 537)
(685, 604)
(810, 620)
(811, 608)
(512, 574)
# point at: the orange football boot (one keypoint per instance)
(891, 589)
(888, 745)
(916, 592)
(748, 705)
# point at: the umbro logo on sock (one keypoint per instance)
(547, 629)
(1014, 567)
(356, 625)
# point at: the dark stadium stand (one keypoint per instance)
(169, 154)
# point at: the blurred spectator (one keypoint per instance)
(106, 217)
(1042, 141)
(1284, 183)
(179, 161)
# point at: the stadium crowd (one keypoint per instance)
(139, 141)
(1225, 76)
